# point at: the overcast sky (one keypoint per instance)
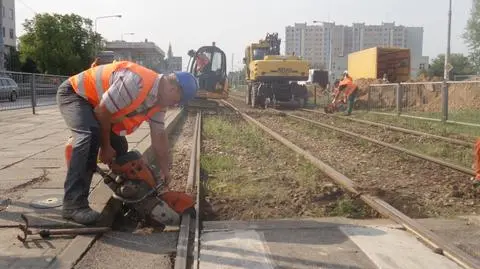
(233, 24)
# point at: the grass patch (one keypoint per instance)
(251, 176)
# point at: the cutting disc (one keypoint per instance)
(47, 201)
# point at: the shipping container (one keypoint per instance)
(379, 61)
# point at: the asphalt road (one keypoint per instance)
(25, 102)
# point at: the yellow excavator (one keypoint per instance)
(272, 78)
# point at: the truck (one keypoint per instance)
(380, 62)
(272, 79)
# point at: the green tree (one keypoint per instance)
(472, 35)
(461, 65)
(58, 44)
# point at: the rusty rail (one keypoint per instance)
(387, 145)
(435, 242)
(184, 236)
(395, 128)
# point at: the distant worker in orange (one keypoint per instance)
(350, 91)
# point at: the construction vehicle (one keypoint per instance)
(379, 63)
(209, 65)
(272, 78)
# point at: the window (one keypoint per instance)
(11, 13)
(3, 30)
(12, 34)
(217, 62)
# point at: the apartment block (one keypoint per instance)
(327, 45)
(8, 24)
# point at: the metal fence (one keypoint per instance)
(27, 90)
(426, 100)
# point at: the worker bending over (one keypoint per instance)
(103, 104)
(350, 91)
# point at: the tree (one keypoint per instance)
(58, 44)
(472, 35)
(461, 65)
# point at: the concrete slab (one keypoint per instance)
(461, 232)
(37, 253)
(314, 243)
(126, 250)
(392, 249)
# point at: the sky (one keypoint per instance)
(189, 24)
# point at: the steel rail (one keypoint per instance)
(395, 128)
(387, 145)
(436, 243)
(184, 236)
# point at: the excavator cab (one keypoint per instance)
(209, 65)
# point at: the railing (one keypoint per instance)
(28, 90)
(460, 103)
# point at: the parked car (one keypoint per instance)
(8, 89)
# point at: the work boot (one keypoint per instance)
(83, 216)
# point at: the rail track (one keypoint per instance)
(365, 133)
(437, 244)
(187, 247)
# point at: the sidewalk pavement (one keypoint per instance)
(32, 173)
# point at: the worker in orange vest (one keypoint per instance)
(102, 105)
(350, 91)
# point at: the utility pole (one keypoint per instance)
(447, 67)
(2, 42)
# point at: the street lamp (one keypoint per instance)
(126, 34)
(447, 67)
(103, 17)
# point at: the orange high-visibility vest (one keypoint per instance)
(92, 83)
(350, 86)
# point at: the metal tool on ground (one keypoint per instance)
(45, 233)
(141, 189)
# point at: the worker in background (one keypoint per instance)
(103, 104)
(350, 91)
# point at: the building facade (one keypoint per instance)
(327, 45)
(145, 53)
(8, 24)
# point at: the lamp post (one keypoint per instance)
(103, 17)
(125, 34)
(447, 67)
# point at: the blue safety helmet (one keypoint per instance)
(189, 85)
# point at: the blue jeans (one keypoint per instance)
(80, 119)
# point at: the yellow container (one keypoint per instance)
(374, 62)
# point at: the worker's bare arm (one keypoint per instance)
(159, 138)
(107, 153)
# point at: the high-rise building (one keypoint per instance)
(327, 45)
(8, 24)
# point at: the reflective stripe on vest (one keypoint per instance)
(92, 83)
